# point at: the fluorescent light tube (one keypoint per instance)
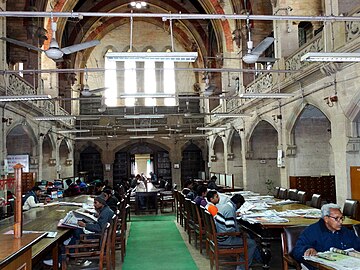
(25, 98)
(330, 57)
(54, 117)
(136, 116)
(266, 95)
(142, 137)
(211, 128)
(145, 95)
(153, 56)
(87, 138)
(194, 135)
(74, 131)
(141, 129)
(231, 115)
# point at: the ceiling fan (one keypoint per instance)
(253, 54)
(54, 52)
(86, 92)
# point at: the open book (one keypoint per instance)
(71, 219)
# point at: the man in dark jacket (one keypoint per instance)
(111, 200)
(326, 233)
(31, 199)
(105, 215)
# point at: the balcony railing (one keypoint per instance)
(293, 61)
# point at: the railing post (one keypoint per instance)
(18, 201)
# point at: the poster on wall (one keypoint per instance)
(12, 160)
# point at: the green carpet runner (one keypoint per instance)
(155, 243)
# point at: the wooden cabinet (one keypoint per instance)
(91, 163)
(27, 181)
(323, 185)
(121, 166)
(163, 165)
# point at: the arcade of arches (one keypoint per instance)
(314, 133)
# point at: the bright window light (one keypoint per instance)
(150, 82)
(110, 83)
(130, 81)
(169, 82)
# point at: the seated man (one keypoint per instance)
(212, 183)
(73, 189)
(105, 215)
(31, 199)
(213, 198)
(324, 234)
(111, 200)
(201, 194)
(226, 221)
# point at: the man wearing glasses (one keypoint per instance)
(324, 234)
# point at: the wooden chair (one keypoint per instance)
(177, 205)
(316, 201)
(90, 251)
(301, 197)
(182, 210)
(167, 198)
(120, 237)
(189, 222)
(202, 210)
(110, 247)
(356, 228)
(282, 193)
(350, 208)
(198, 225)
(216, 251)
(276, 193)
(288, 240)
(292, 194)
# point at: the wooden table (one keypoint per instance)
(45, 219)
(150, 200)
(17, 253)
(267, 232)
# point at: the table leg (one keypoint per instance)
(55, 256)
(265, 254)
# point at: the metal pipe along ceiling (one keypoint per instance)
(179, 16)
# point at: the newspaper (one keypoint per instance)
(71, 219)
(336, 259)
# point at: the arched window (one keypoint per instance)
(110, 82)
(132, 76)
(149, 81)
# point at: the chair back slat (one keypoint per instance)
(350, 208)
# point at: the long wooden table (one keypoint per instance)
(45, 219)
(268, 232)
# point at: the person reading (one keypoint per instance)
(226, 221)
(327, 233)
(104, 214)
(31, 199)
(213, 198)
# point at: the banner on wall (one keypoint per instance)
(12, 160)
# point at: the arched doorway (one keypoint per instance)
(141, 158)
(192, 162)
(90, 162)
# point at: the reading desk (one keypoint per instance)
(44, 219)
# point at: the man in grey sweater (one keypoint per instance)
(226, 221)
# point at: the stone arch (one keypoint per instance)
(297, 111)
(107, 48)
(28, 131)
(89, 144)
(352, 112)
(187, 143)
(255, 123)
(145, 141)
